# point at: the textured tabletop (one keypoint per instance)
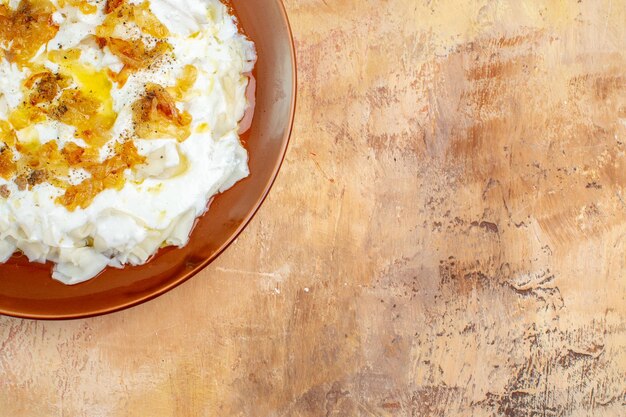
(447, 237)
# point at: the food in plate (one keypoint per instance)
(119, 121)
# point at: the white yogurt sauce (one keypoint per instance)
(157, 206)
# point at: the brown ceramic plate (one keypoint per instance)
(27, 290)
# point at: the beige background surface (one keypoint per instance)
(447, 237)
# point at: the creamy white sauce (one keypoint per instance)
(158, 205)
(11, 79)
